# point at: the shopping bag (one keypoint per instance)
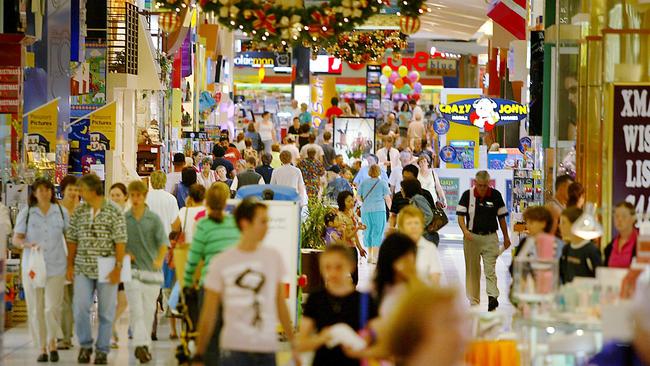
(36, 271)
(174, 297)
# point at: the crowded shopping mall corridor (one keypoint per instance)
(18, 348)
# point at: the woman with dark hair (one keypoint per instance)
(622, 250)
(576, 195)
(396, 270)
(70, 200)
(119, 196)
(412, 191)
(41, 227)
(350, 228)
(188, 177)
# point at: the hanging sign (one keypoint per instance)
(102, 128)
(42, 127)
(484, 113)
(630, 148)
(442, 67)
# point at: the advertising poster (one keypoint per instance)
(373, 90)
(41, 128)
(81, 157)
(354, 137)
(631, 146)
(323, 88)
(484, 113)
(451, 188)
(93, 95)
(102, 128)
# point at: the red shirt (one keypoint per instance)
(622, 258)
(232, 155)
(333, 111)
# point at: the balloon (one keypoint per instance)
(402, 70)
(387, 71)
(388, 52)
(417, 87)
(389, 89)
(406, 81)
(416, 96)
(414, 76)
(383, 80)
(394, 76)
(399, 83)
(261, 73)
(406, 89)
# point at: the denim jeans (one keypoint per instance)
(236, 358)
(84, 289)
(211, 355)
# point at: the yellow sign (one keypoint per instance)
(102, 128)
(42, 127)
(177, 101)
(323, 89)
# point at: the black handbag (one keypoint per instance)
(439, 219)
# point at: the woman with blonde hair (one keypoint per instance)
(215, 233)
(410, 221)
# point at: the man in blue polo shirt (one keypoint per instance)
(481, 211)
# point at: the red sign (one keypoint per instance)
(511, 15)
(334, 65)
(419, 62)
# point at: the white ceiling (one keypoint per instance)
(452, 19)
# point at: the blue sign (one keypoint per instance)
(441, 126)
(525, 144)
(448, 154)
(484, 113)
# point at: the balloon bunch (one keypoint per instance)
(401, 82)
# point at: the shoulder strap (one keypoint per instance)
(370, 191)
(61, 212)
(471, 210)
(29, 208)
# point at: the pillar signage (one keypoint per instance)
(630, 147)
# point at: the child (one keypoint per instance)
(249, 151)
(338, 303)
(580, 257)
(275, 152)
(332, 224)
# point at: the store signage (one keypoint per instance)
(630, 147)
(442, 67)
(42, 127)
(419, 62)
(373, 90)
(102, 128)
(484, 113)
(262, 59)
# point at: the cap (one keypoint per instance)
(179, 158)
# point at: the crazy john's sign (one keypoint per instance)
(484, 113)
(631, 146)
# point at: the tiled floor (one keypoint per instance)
(18, 349)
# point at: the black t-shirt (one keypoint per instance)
(294, 131)
(488, 209)
(399, 202)
(326, 310)
(579, 262)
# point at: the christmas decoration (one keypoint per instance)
(360, 47)
(281, 24)
(169, 22)
(408, 24)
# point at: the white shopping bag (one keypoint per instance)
(36, 271)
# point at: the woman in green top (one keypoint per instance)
(404, 117)
(147, 246)
(212, 235)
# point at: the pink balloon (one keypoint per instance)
(413, 76)
(394, 76)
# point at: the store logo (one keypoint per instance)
(419, 62)
(262, 59)
(484, 113)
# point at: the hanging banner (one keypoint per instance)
(484, 113)
(41, 127)
(102, 128)
(630, 146)
(82, 157)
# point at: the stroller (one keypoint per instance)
(188, 307)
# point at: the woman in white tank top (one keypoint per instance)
(266, 130)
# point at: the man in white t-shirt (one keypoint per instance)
(395, 179)
(174, 177)
(312, 144)
(290, 176)
(290, 146)
(161, 202)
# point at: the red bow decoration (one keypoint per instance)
(323, 26)
(264, 21)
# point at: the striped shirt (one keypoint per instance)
(95, 237)
(210, 238)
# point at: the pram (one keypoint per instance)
(188, 307)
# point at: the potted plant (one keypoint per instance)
(312, 243)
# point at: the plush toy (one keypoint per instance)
(484, 115)
(154, 132)
(143, 138)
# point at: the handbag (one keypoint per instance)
(438, 221)
(176, 240)
(366, 196)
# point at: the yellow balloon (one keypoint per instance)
(387, 71)
(261, 74)
(402, 71)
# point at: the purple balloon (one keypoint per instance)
(413, 76)
(394, 76)
(417, 88)
(389, 88)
